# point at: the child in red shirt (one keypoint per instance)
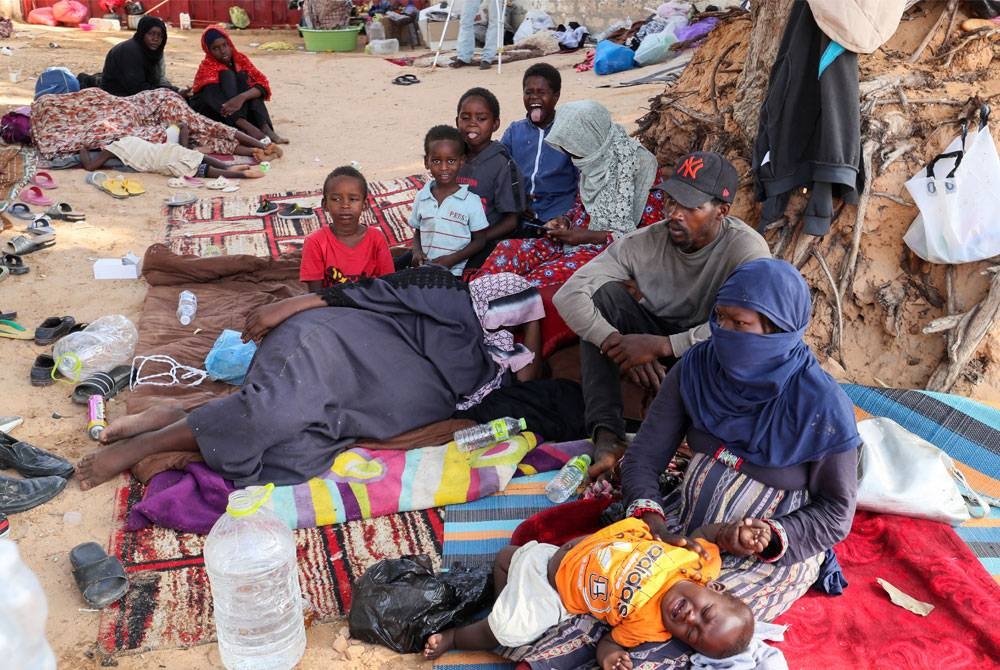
(345, 250)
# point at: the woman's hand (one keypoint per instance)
(559, 223)
(267, 317)
(231, 106)
(658, 528)
(745, 537)
(572, 235)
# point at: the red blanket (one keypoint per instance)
(863, 629)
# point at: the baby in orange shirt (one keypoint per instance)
(645, 589)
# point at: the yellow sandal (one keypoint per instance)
(133, 186)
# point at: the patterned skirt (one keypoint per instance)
(710, 493)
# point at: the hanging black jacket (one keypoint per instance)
(810, 127)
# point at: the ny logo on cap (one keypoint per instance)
(690, 167)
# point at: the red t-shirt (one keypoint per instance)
(325, 258)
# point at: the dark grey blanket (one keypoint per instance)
(395, 353)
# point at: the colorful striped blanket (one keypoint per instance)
(364, 483)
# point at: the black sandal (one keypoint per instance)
(106, 384)
(15, 264)
(100, 578)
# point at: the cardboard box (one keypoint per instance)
(435, 28)
(128, 266)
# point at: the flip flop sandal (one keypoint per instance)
(21, 245)
(132, 186)
(294, 211)
(98, 179)
(266, 207)
(222, 184)
(406, 80)
(43, 371)
(45, 180)
(14, 330)
(179, 199)
(100, 578)
(107, 384)
(17, 267)
(185, 182)
(115, 187)
(65, 212)
(53, 328)
(42, 225)
(33, 195)
(21, 211)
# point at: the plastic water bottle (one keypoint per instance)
(375, 30)
(250, 560)
(22, 615)
(187, 305)
(485, 434)
(564, 484)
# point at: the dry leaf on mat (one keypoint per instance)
(906, 601)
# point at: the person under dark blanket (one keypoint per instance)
(137, 64)
(332, 367)
(229, 88)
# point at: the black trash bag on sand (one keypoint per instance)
(399, 602)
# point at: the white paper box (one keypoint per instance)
(128, 266)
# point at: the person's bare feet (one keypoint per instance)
(100, 466)
(154, 418)
(248, 171)
(439, 643)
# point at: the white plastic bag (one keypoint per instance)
(655, 47)
(958, 194)
(902, 473)
(534, 21)
(107, 342)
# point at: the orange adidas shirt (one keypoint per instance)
(620, 575)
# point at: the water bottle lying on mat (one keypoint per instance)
(483, 435)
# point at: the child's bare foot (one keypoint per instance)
(154, 418)
(248, 171)
(100, 466)
(274, 151)
(438, 643)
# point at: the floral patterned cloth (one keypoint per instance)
(545, 262)
(92, 119)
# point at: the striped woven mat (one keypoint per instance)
(216, 226)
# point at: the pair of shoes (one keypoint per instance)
(100, 578)
(21, 211)
(22, 244)
(406, 80)
(53, 328)
(30, 461)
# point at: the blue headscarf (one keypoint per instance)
(766, 396)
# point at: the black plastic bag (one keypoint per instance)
(399, 602)
(984, 9)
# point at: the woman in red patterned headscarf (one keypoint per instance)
(228, 88)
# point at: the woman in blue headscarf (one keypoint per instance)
(773, 476)
(773, 436)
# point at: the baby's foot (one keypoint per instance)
(439, 643)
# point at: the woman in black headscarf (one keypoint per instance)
(137, 65)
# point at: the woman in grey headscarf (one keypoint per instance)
(616, 175)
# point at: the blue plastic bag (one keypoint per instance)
(611, 57)
(229, 358)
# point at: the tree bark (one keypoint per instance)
(768, 20)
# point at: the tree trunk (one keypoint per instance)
(768, 20)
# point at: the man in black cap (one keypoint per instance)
(645, 300)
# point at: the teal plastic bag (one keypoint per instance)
(229, 359)
(611, 57)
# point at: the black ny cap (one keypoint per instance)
(699, 177)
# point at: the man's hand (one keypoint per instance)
(266, 317)
(418, 259)
(629, 351)
(648, 376)
(571, 235)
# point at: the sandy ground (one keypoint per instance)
(334, 108)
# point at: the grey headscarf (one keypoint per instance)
(616, 172)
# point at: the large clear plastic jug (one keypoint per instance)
(250, 559)
(22, 615)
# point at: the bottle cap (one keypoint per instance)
(523, 423)
(248, 501)
(586, 459)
